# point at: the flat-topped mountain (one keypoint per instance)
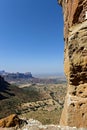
(27, 78)
(15, 76)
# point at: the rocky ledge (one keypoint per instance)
(13, 122)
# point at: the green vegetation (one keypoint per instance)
(13, 97)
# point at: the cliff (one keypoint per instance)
(4, 86)
(75, 62)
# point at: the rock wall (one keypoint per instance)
(75, 62)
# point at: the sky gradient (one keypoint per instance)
(31, 36)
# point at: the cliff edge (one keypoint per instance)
(75, 62)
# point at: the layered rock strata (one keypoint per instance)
(75, 62)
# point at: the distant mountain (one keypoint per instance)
(26, 78)
(15, 76)
(2, 72)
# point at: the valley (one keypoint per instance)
(40, 101)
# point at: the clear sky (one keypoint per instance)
(31, 36)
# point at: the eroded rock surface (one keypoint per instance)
(10, 121)
(75, 35)
(36, 125)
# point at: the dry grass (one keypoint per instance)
(34, 93)
(45, 117)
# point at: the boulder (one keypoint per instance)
(10, 121)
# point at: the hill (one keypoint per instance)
(11, 97)
(32, 100)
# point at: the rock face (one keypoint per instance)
(75, 35)
(10, 121)
(3, 87)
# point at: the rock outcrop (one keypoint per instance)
(3, 87)
(36, 125)
(75, 35)
(47, 105)
(10, 121)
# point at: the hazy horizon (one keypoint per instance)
(38, 73)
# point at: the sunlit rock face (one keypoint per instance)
(75, 62)
(10, 121)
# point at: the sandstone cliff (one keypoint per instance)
(75, 35)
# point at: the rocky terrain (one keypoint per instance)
(75, 108)
(32, 100)
(37, 101)
(13, 122)
(75, 35)
(11, 97)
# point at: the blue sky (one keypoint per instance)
(31, 36)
